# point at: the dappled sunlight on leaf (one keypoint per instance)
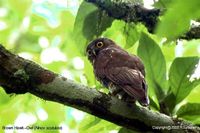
(78, 63)
(67, 74)
(42, 114)
(47, 56)
(155, 65)
(3, 25)
(26, 55)
(177, 18)
(180, 69)
(43, 42)
(196, 74)
(25, 119)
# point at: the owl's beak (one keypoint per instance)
(93, 51)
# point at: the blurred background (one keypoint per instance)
(43, 31)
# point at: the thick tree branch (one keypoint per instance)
(193, 33)
(131, 11)
(19, 76)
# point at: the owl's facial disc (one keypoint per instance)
(95, 47)
(93, 51)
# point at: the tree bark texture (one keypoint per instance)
(131, 11)
(19, 76)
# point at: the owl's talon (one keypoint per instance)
(119, 97)
(113, 89)
(110, 85)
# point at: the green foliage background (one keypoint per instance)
(55, 36)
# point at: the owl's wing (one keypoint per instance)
(131, 81)
(117, 57)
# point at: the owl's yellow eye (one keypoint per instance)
(89, 52)
(99, 44)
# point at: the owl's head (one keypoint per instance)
(96, 46)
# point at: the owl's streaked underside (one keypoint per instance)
(119, 71)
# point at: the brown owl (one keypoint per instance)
(119, 71)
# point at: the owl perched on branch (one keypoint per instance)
(119, 71)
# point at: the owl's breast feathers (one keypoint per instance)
(115, 65)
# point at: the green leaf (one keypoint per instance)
(191, 48)
(190, 111)
(168, 103)
(4, 97)
(24, 5)
(194, 95)
(91, 124)
(162, 3)
(95, 23)
(84, 10)
(116, 32)
(155, 64)
(131, 34)
(90, 22)
(88, 72)
(180, 76)
(177, 19)
(153, 104)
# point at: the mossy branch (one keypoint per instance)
(132, 11)
(19, 76)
